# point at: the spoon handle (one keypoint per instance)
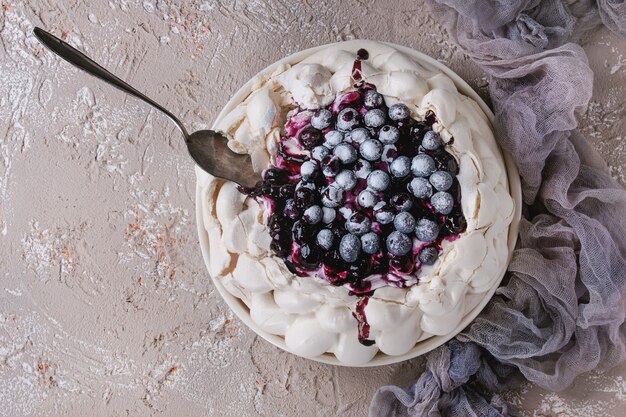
(82, 61)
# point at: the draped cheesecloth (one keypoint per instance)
(562, 306)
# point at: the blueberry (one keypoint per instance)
(370, 242)
(398, 112)
(350, 247)
(321, 119)
(446, 162)
(367, 199)
(362, 168)
(455, 223)
(422, 165)
(286, 191)
(404, 222)
(345, 152)
(428, 255)
(371, 149)
(304, 197)
(384, 213)
(276, 176)
(325, 238)
(330, 166)
(390, 152)
(345, 211)
(431, 141)
(319, 153)
(333, 138)
(308, 170)
(441, 180)
(400, 167)
(374, 118)
(442, 202)
(332, 196)
(312, 215)
(300, 232)
(346, 179)
(388, 134)
(358, 224)
(276, 226)
(309, 257)
(372, 99)
(360, 135)
(452, 167)
(310, 137)
(420, 187)
(280, 248)
(291, 209)
(328, 214)
(378, 180)
(398, 243)
(347, 119)
(305, 184)
(360, 269)
(426, 230)
(401, 202)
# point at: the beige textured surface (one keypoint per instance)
(105, 305)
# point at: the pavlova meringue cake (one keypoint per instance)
(383, 207)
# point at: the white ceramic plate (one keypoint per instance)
(477, 303)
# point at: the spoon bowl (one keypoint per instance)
(210, 149)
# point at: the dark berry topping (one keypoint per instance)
(428, 255)
(350, 247)
(401, 202)
(358, 224)
(371, 150)
(384, 213)
(442, 202)
(325, 239)
(370, 243)
(333, 138)
(331, 165)
(345, 152)
(426, 230)
(404, 222)
(310, 137)
(400, 167)
(398, 243)
(422, 165)
(372, 99)
(374, 118)
(347, 119)
(389, 134)
(399, 111)
(321, 119)
(360, 135)
(346, 179)
(441, 180)
(431, 141)
(373, 192)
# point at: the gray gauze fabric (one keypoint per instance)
(562, 306)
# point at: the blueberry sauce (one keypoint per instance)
(341, 211)
(364, 327)
(357, 73)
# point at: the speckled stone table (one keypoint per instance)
(105, 304)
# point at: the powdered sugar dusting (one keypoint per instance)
(93, 318)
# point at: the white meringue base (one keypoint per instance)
(299, 323)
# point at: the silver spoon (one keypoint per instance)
(207, 147)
